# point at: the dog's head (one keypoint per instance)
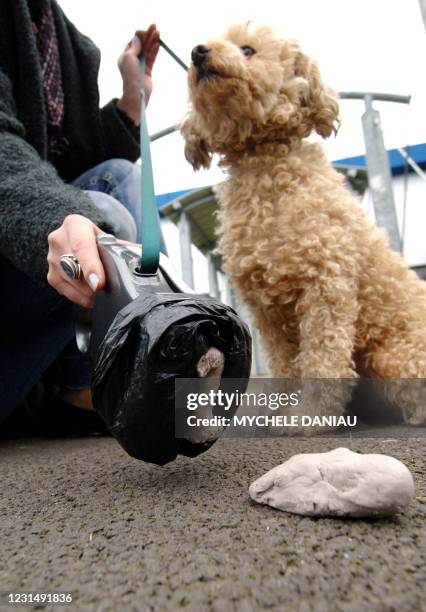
(250, 87)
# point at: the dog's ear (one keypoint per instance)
(320, 99)
(196, 149)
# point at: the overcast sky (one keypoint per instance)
(375, 45)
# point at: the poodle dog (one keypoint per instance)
(329, 296)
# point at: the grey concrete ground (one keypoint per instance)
(81, 516)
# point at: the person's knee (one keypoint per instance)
(119, 168)
(115, 215)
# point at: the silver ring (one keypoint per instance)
(70, 265)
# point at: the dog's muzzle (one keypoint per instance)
(199, 54)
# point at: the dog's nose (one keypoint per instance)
(199, 54)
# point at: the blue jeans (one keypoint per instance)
(38, 335)
(111, 183)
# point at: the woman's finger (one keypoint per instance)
(70, 290)
(58, 246)
(150, 38)
(79, 285)
(81, 235)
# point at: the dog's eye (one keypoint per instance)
(248, 51)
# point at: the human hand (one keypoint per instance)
(149, 42)
(77, 235)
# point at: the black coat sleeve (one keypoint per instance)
(34, 200)
(120, 134)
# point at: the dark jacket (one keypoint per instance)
(34, 198)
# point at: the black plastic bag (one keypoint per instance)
(153, 340)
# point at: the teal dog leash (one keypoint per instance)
(150, 232)
(174, 56)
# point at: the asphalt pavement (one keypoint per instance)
(80, 516)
